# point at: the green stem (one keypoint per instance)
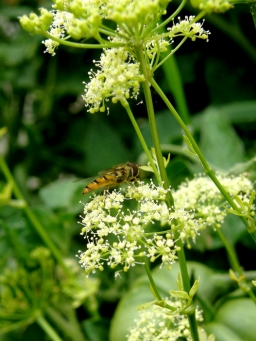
(164, 23)
(197, 150)
(68, 325)
(126, 105)
(170, 54)
(236, 266)
(186, 284)
(47, 328)
(82, 46)
(152, 123)
(152, 282)
(33, 219)
(170, 201)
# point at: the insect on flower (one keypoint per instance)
(114, 176)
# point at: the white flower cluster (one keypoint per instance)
(119, 77)
(188, 28)
(202, 196)
(154, 324)
(118, 236)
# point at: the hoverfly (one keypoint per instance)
(114, 176)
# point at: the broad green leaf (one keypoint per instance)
(239, 315)
(219, 143)
(58, 194)
(145, 305)
(239, 112)
(222, 332)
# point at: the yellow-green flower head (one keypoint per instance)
(216, 6)
(37, 24)
(82, 19)
(118, 78)
(136, 12)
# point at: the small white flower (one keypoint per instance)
(188, 28)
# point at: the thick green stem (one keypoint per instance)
(197, 150)
(33, 219)
(125, 104)
(186, 285)
(170, 201)
(152, 123)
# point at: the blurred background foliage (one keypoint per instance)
(52, 140)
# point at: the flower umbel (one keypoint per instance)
(118, 78)
(202, 196)
(121, 236)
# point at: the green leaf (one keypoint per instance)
(96, 330)
(242, 167)
(188, 143)
(145, 305)
(147, 168)
(219, 142)
(126, 310)
(179, 294)
(239, 315)
(239, 112)
(222, 332)
(253, 11)
(194, 288)
(58, 194)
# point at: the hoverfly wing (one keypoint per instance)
(112, 169)
(91, 178)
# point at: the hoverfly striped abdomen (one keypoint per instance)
(114, 176)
